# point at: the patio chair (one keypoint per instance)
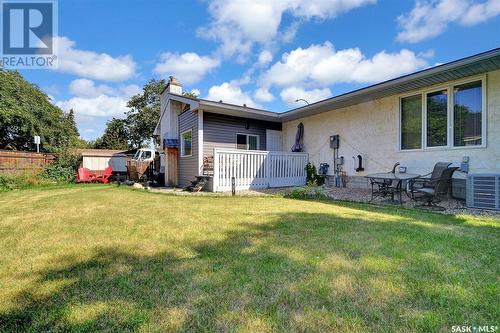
(431, 190)
(106, 175)
(83, 175)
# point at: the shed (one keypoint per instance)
(96, 160)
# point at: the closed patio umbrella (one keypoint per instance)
(298, 146)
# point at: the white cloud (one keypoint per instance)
(265, 57)
(89, 64)
(99, 106)
(480, 12)
(323, 65)
(91, 100)
(237, 24)
(263, 95)
(130, 90)
(430, 18)
(188, 67)
(87, 88)
(291, 94)
(231, 93)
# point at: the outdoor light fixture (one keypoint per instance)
(301, 99)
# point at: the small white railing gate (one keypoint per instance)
(257, 169)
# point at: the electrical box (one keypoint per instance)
(335, 141)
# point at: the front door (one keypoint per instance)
(274, 140)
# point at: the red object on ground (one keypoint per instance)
(83, 176)
(108, 172)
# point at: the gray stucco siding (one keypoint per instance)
(188, 166)
(219, 131)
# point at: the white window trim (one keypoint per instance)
(247, 135)
(450, 138)
(182, 143)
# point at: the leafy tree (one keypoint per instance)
(115, 136)
(145, 110)
(26, 111)
(190, 94)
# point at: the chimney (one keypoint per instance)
(174, 86)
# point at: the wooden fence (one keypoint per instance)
(258, 169)
(21, 161)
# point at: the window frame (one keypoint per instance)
(484, 117)
(182, 143)
(248, 144)
(449, 86)
(400, 120)
(424, 116)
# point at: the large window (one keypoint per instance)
(454, 117)
(247, 142)
(467, 114)
(437, 118)
(187, 143)
(411, 122)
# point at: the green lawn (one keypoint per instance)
(110, 258)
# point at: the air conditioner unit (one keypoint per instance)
(483, 191)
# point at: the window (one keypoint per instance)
(186, 143)
(146, 155)
(437, 118)
(453, 116)
(467, 114)
(411, 122)
(247, 142)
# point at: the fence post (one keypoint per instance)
(216, 170)
(268, 169)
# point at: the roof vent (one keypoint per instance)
(244, 105)
(483, 191)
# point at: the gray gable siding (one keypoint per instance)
(219, 131)
(188, 166)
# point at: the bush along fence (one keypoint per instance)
(14, 162)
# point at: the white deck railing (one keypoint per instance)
(257, 169)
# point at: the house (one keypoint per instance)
(450, 112)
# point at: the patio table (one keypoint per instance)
(393, 183)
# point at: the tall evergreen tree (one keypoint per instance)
(72, 122)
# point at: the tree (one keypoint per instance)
(115, 136)
(144, 114)
(190, 94)
(26, 111)
(72, 123)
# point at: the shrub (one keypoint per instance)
(308, 192)
(59, 173)
(312, 177)
(311, 174)
(21, 180)
(63, 170)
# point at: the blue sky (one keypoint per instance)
(259, 52)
